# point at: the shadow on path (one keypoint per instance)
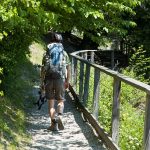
(77, 134)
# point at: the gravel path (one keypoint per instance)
(77, 134)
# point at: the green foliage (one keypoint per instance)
(12, 122)
(101, 17)
(18, 98)
(140, 42)
(106, 102)
(21, 23)
(24, 21)
(1, 72)
(11, 125)
(140, 63)
(131, 127)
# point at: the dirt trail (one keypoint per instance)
(77, 134)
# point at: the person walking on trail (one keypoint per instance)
(55, 74)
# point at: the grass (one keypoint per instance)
(18, 96)
(131, 114)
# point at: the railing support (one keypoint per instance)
(86, 84)
(72, 70)
(147, 124)
(92, 56)
(81, 80)
(96, 93)
(116, 110)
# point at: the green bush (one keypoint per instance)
(140, 63)
(1, 73)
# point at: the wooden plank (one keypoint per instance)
(81, 80)
(101, 133)
(92, 56)
(147, 124)
(116, 110)
(85, 55)
(72, 70)
(75, 73)
(123, 78)
(86, 85)
(96, 93)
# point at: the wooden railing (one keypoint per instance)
(81, 64)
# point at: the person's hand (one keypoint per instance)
(66, 84)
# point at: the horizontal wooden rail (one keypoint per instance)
(140, 85)
(85, 59)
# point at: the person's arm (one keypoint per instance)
(68, 77)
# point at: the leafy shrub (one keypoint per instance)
(140, 63)
(1, 72)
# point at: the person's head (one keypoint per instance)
(57, 37)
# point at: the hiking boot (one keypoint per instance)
(60, 124)
(54, 125)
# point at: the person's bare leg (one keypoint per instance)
(60, 107)
(52, 111)
(52, 114)
(60, 110)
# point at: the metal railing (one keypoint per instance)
(82, 64)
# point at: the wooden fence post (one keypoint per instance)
(85, 55)
(72, 70)
(81, 80)
(86, 84)
(92, 56)
(96, 93)
(75, 73)
(116, 110)
(147, 124)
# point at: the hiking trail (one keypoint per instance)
(76, 135)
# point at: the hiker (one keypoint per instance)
(55, 74)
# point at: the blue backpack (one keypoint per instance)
(55, 60)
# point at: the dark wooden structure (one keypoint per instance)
(111, 58)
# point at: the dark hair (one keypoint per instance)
(56, 37)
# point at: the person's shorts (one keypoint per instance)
(54, 89)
